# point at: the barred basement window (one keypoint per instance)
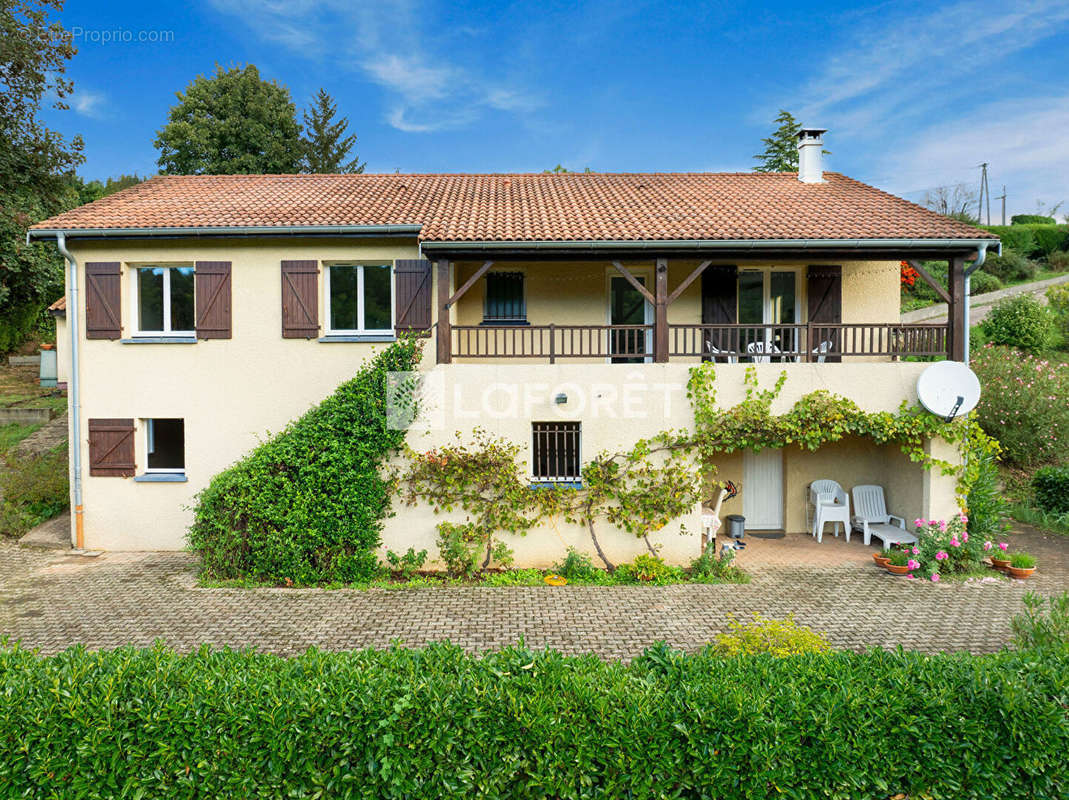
(504, 298)
(555, 451)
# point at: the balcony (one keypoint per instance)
(813, 342)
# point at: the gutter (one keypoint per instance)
(714, 244)
(207, 231)
(74, 387)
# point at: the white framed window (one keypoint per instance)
(359, 298)
(165, 446)
(163, 300)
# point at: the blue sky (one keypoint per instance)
(914, 94)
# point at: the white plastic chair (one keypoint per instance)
(822, 351)
(872, 519)
(716, 351)
(756, 348)
(830, 504)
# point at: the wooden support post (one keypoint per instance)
(660, 312)
(956, 279)
(642, 290)
(445, 329)
(936, 285)
(469, 283)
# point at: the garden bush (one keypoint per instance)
(1059, 261)
(1058, 303)
(307, 505)
(779, 638)
(982, 282)
(1022, 322)
(1023, 404)
(1031, 219)
(1050, 239)
(1018, 238)
(1008, 267)
(1051, 487)
(437, 723)
(33, 489)
(1042, 625)
(986, 500)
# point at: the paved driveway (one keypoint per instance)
(54, 600)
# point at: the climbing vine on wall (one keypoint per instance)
(642, 489)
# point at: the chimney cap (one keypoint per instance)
(811, 133)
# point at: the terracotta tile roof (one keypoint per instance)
(565, 207)
(59, 307)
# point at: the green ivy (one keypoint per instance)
(307, 505)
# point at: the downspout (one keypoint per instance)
(981, 257)
(74, 389)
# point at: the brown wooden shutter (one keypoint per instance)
(212, 282)
(103, 300)
(111, 448)
(720, 306)
(412, 279)
(825, 289)
(300, 299)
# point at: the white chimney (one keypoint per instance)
(811, 155)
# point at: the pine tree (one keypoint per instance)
(326, 145)
(781, 148)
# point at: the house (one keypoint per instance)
(563, 312)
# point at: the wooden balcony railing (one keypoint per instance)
(635, 343)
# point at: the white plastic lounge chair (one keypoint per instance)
(871, 518)
(757, 348)
(830, 504)
(822, 351)
(716, 351)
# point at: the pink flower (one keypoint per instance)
(963, 518)
(935, 577)
(913, 564)
(965, 536)
(955, 543)
(918, 522)
(941, 555)
(1003, 546)
(916, 552)
(988, 545)
(912, 577)
(943, 525)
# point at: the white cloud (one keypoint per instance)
(87, 103)
(427, 87)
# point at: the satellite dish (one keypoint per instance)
(948, 389)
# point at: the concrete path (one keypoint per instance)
(46, 438)
(55, 534)
(52, 601)
(980, 304)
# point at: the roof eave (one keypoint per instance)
(371, 231)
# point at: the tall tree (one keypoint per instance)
(957, 201)
(233, 122)
(326, 145)
(781, 148)
(34, 161)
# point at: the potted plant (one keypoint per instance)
(1001, 561)
(881, 557)
(1022, 565)
(898, 563)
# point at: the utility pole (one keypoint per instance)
(984, 191)
(1002, 197)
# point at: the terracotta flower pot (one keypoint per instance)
(880, 559)
(897, 569)
(1001, 564)
(1020, 572)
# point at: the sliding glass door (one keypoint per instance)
(768, 297)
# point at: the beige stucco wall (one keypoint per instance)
(233, 393)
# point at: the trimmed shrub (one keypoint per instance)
(307, 505)
(1014, 237)
(1031, 219)
(439, 723)
(982, 282)
(1050, 239)
(1022, 322)
(1023, 404)
(1041, 627)
(1010, 266)
(1051, 487)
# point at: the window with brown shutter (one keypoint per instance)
(300, 299)
(720, 298)
(825, 289)
(212, 282)
(103, 293)
(412, 279)
(111, 448)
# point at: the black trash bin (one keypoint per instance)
(736, 525)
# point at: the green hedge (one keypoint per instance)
(1031, 219)
(1051, 487)
(437, 723)
(1032, 240)
(308, 504)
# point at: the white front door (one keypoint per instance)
(762, 489)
